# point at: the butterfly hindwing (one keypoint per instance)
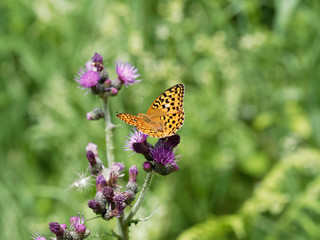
(140, 124)
(172, 122)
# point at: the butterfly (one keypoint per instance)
(164, 117)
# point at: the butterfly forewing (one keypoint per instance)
(170, 101)
(168, 109)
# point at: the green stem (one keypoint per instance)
(141, 197)
(122, 228)
(122, 222)
(108, 131)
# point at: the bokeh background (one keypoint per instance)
(250, 144)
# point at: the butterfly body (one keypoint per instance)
(164, 117)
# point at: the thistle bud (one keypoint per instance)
(147, 166)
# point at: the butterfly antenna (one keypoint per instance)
(89, 219)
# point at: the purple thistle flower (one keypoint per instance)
(87, 79)
(132, 186)
(113, 91)
(95, 164)
(111, 174)
(100, 183)
(133, 173)
(117, 167)
(38, 236)
(93, 148)
(127, 73)
(130, 195)
(78, 227)
(76, 220)
(108, 193)
(81, 229)
(55, 228)
(97, 58)
(163, 155)
(119, 200)
(91, 158)
(64, 226)
(170, 142)
(95, 206)
(136, 141)
(73, 220)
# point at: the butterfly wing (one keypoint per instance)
(140, 124)
(164, 117)
(167, 110)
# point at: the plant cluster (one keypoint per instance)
(111, 199)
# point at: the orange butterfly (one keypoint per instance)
(164, 117)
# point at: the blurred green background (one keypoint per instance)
(250, 143)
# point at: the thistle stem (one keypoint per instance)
(141, 197)
(122, 222)
(108, 131)
(122, 228)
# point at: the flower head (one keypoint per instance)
(136, 141)
(127, 73)
(117, 167)
(93, 148)
(163, 155)
(81, 229)
(76, 220)
(97, 58)
(133, 173)
(147, 166)
(95, 164)
(132, 186)
(64, 226)
(91, 158)
(164, 159)
(87, 79)
(95, 114)
(56, 229)
(95, 206)
(108, 193)
(111, 174)
(113, 91)
(169, 142)
(119, 201)
(100, 183)
(78, 227)
(73, 220)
